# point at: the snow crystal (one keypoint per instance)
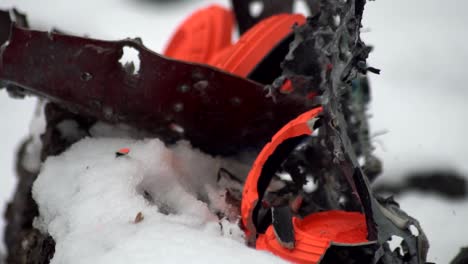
(89, 199)
(414, 230)
(256, 8)
(285, 176)
(310, 186)
(130, 58)
(395, 243)
(300, 6)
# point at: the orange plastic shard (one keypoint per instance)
(287, 87)
(122, 152)
(202, 35)
(315, 234)
(256, 44)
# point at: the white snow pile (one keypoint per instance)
(153, 205)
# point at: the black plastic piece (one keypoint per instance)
(283, 226)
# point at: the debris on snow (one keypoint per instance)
(122, 152)
(86, 198)
(138, 218)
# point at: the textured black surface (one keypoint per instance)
(283, 226)
(462, 257)
(332, 39)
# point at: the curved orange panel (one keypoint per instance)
(294, 128)
(315, 233)
(257, 43)
(202, 35)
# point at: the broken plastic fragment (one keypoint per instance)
(122, 152)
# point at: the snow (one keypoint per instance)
(130, 56)
(92, 206)
(395, 244)
(414, 230)
(256, 8)
(419, 99)
(310, 186)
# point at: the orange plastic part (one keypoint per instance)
(124, 151)
(256, 44)
(287, 87)
(294, 128)
(316, 233)
(202, 35)
(205, 37)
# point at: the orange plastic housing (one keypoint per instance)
(205, 37)
(315, 233)
(202, 35)
(257, 43)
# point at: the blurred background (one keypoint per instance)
(419, 116)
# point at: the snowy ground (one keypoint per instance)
(419, 97)
(98, 196)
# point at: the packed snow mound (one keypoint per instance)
(153, 205)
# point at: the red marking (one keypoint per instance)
(123, 151)
(287, 87)
(311, 95)
(329, 67)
